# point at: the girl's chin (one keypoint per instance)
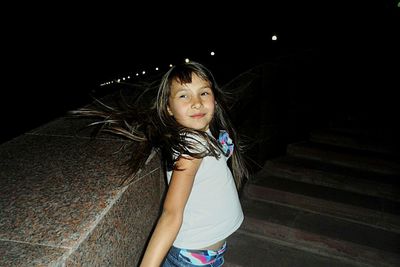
(196, 125)
(199, 127)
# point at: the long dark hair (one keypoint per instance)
(151, 128)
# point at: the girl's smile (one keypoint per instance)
(198, 116)
(192, 104)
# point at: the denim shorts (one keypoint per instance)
(178, 257)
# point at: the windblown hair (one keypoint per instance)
(150, 127)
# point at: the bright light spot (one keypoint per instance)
(119, 80)
(186, 60)
(156, 68)
(274, 37)
(212, 53)
(170, 65)
(143, 72)
(137, 74)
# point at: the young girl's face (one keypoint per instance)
(192, 104)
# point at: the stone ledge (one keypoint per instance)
(61, 203)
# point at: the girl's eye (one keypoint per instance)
(205, 93)
(183, 96)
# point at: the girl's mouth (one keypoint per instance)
(198, 116)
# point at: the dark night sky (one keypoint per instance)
(51, 60)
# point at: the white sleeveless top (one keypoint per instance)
(213, 210)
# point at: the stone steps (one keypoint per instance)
(353, 139)
(336, 202)
(334, 176)
(356, 159)
(372, 211)
(342, 240)
(252, 251)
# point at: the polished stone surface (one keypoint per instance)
(126, 225)
(69, 127)
(22, 254)
(61, 201)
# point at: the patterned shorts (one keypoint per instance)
(178, 257)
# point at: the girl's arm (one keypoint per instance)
(170, 220)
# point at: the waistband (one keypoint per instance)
(207, 252)
(201, 257)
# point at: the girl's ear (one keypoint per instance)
(169, 111)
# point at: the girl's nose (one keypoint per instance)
(196, 103)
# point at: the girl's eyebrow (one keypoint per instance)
(204, 87)
(184, 89)
(181, 89)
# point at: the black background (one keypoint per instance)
(53, 57)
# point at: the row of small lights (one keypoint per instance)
(119, 80)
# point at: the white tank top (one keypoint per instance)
(213, 210)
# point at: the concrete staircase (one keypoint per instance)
(333, 200)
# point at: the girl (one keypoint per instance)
(189, 126)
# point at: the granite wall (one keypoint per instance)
(61, 203)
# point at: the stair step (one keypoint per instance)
(371, 211)
(376, 133)
(333, 176)
(353, 140)
(319, 234)
(248, 250)
(356, 159)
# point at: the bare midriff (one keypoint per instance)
(215, 246)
